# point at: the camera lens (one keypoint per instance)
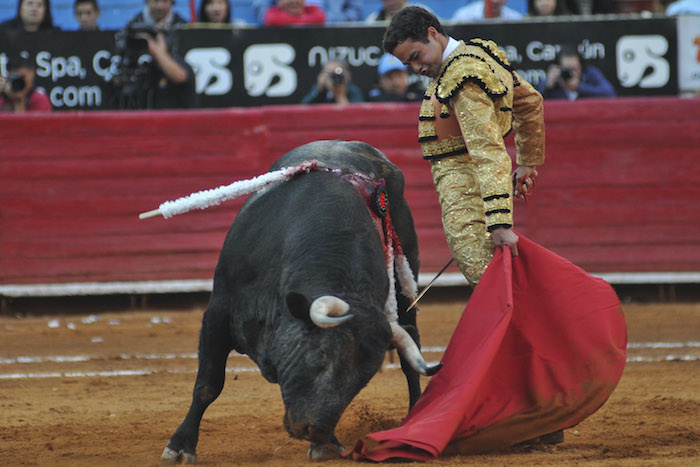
(566, 73)
(337, 76)
(17, 82)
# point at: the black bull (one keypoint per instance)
(305, 245)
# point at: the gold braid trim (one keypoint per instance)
(426, 117)
(492, 49)
(468, 68)
(427, 112)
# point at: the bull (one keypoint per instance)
(300, 287)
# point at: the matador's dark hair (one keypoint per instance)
(410, 23)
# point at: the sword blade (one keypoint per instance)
(430, 284)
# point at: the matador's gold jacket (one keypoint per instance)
(468, 110)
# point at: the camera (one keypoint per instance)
(130, 46)
(132, 81)
(337, 76)
(566, 73)
(17, 82)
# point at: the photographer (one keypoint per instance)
(333, 85)
(17, 92)
(164, 82)
(570, 79)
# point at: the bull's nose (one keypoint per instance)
(306, 431)
(295, 430)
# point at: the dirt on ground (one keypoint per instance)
(109, 388)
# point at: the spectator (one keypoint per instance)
(547, 8)
(17, 91)
(32, 16)
(477, 11)
(289, 12)
(573, 6)
(569, 79)
(604, 7)
(158, 13)
(215, 11)
(167, 82)
(684, 7)
(390, 8)
(393, 83)
(86, 13)
(343, 11)
(333, 85)
(336, 11)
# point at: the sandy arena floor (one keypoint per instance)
(110, 388)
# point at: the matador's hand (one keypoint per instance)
(502, 236)
(524, 181)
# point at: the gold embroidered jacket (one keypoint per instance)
(467, 111)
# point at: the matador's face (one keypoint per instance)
(425, 58)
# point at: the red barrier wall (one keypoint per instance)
(618, 192)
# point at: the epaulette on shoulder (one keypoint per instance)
(468, 68)
(492, 49)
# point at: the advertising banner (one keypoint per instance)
(240, 67)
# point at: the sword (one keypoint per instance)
(429, 285)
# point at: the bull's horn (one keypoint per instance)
(409, 350)
(329, 311)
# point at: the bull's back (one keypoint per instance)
(301, 224)
(355, 156)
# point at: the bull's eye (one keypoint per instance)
(315, 358)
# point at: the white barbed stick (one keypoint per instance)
(207, 198)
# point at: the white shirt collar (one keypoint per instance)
(451, 46)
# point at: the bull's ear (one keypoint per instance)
(298, 305)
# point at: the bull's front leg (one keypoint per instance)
(214, 347)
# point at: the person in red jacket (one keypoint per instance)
(288, 12)
(17, 91)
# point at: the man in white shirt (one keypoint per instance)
(684, 7)
(476, 11)
(391, 7)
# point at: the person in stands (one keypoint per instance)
(543, 8)
(215, 11)
(480, 10)
(32, 16)
(570, 79)
(87, 13)
(17, 91)
(336, 11)
(291, 12)
(393, 85)
(333, 86)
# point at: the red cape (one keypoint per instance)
(540, 347)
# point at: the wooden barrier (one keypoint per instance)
(618, 192)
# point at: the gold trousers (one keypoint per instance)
(463, 219)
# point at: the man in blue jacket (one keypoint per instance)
(570, 79)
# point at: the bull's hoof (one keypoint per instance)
(555, 437)
(330, 450)
(170, 456)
